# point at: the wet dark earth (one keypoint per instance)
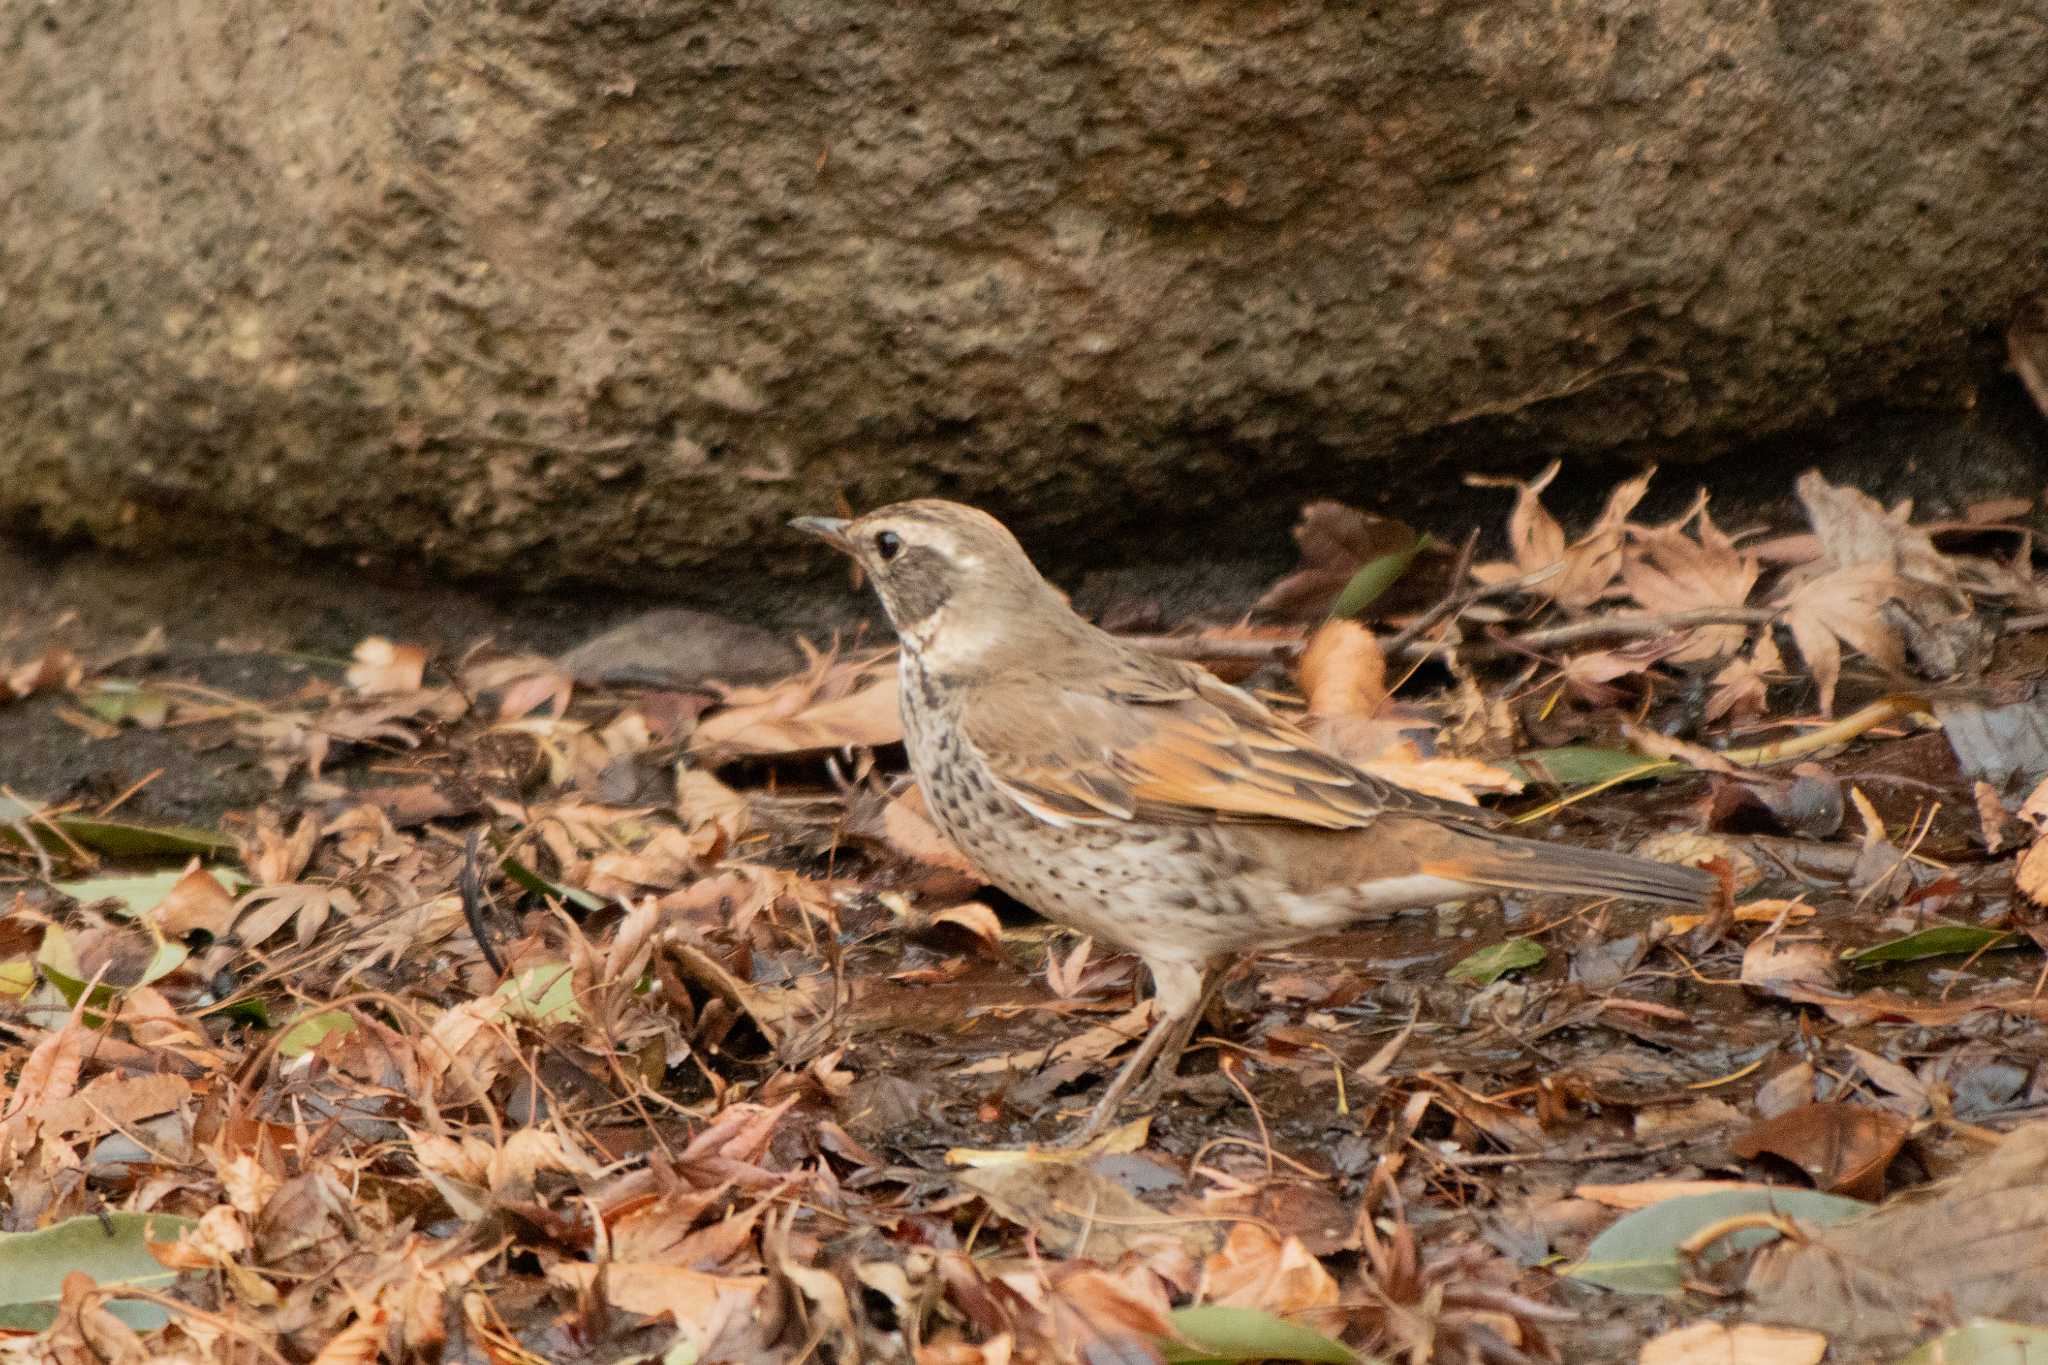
(1623, 1048)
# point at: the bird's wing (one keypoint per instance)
(1156, 740)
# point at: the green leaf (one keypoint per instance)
(246, 1009)
(1579, 765)
(1983, 1341)
(304, 1033)
(1214, 1333)
(138, 895)
(120, 840)
(1491, 963)
(117, 702)
(1939, 941)
(113, 837)
(1639, 1254)
(1374, 577)
(542, 994)
(58, 959)
(522, 875)
(113, 1250)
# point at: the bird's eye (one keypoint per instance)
(888, 544)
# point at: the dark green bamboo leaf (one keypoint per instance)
(524, 876)
(120, 840)
(1374, 577)
(117, 838)
(1940, 940)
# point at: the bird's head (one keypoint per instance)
(956, 584)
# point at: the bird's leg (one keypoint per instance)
(1181, 996)
(1166, 1066)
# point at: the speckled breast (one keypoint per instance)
(1127, 883)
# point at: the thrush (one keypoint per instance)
(1146, 802)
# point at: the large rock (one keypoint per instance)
(608, 287)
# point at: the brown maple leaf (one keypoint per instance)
(1538, 542)
(1880, 586)
(1842, 606)
(1740, 688)
(1670, 571)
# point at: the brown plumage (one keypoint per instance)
(1146, 802)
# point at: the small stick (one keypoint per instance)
(1614, 628)
(1455, 599)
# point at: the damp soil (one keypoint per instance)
(1628, 1058)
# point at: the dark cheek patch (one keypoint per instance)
(918, 584)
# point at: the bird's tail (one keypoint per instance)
(1506, 863)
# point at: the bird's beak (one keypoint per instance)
(831, 530)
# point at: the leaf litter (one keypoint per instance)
(547, 1009)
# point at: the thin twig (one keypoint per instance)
(1616, 1152)
(1614, 628)
(122, 799)
(1455, 599)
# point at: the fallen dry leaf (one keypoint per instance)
(1742, 1343)
(1836, 608)
(1777, 965)
(1974, 1246)
(1590, 564)
(197, 901)
(259, 914)
(1854, 528)
(1883, 588)
(834, 704)
(1343, 674)
(1090, 1045)
(1077, 1212)
(52, 670)
(977, 919)
(111, 1102)
(1671, 571)
(2030, 873)
(1741, 688)
(1844, 1148)
(1255, 1269)
(698, 1301)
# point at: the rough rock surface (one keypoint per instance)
(560, 288)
